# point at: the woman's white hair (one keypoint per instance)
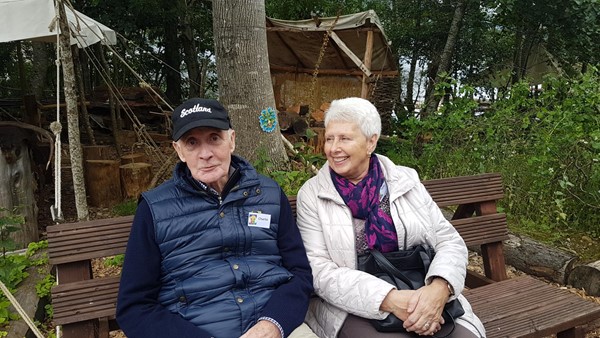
(357, 110)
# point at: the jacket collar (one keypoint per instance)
(397, 181)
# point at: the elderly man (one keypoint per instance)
(214, 251)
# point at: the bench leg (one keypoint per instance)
(87, 329)
(493, 261)
(574, 332)
(103, 329)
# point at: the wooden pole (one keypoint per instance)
(364, 93)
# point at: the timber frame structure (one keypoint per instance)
(357, 51)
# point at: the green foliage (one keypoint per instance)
(545, 144)
(115, 260)
(126, 208)
(13, 272)
(13, 267)
(44, 286)
(305, 9)
(290, 181)
(10, 222)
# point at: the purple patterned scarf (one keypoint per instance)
(363, 200)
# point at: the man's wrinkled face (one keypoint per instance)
(207, 153)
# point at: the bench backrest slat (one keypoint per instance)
(72, 242)
(79, 241)
(465, 189)
(480, 230)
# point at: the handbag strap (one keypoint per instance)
(385, 265)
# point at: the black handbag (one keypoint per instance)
(406, 269)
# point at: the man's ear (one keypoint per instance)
(232, 135)
(177, 148)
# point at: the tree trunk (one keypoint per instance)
(21, 62)
(116, 127)
(410, 99)
(103, 181)
(135, 179)
(518, 54)
(172, 55)
(18, 184)
(433, 99)
(72, 115)
(98, 152)
(586, 277)
(538, 259)
(190, 52)
(244, 76)
(84, 112)
(40, 67)
(134, 158)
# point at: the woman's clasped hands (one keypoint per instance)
(421, 310)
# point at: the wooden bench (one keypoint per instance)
(520, 307)
(84, 304)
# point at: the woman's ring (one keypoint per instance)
(426, 326)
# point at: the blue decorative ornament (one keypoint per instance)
(268, 119)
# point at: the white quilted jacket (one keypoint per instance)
(325, 223)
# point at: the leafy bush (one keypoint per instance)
(546, 145)
(290, 181)
(13, 267)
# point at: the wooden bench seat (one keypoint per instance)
(85, 300)
(521, 307)
(527, 307)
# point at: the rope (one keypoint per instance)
(139, 128)
(20, 310)
(321, 54)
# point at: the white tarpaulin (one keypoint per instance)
(34, 20)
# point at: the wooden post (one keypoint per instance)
(103, 182)
(135, 178)
(364, 93)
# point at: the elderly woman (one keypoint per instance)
(360, 201)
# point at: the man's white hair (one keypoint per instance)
(357, 110)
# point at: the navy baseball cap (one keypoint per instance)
(199, 112)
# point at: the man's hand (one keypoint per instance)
(263, 329)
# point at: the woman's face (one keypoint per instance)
(348, 150)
